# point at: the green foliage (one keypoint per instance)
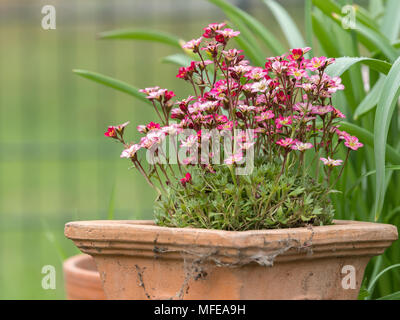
(262, 200)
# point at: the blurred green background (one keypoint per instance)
(55, 164)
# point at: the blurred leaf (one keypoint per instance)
(369, 37)
(325, 37)
(376, 7)
(179, 59)
(386, 105)
(393, 296)
(254, 25)
(370, 173)
(344, 63)
(288, 26)
(371, 100)
(373, 282)
(331, 8)
(143, 34)
(367, 138)
(50, 235)
(391, 20)
(308, 23)
(247, 42)
(112, 83)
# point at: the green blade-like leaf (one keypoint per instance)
(112, 83)
(178, 59)
(331, 8)
(370, 173)
(143, 34)
(367, 138)
(392, 296)
(386, 105)
(308, 23)
(391, 20)
(324, 36)
(370, 38)
(376, 7)
(253, 24)
(288, 26)
(371, 100)
(373, 281)
(344, 63)
(247, 41)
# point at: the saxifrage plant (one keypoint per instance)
(376, 32)
(281, 114)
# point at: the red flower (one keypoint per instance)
(169, 95)
(220, 38)
(111, 132)
(153, 126)
(186, 179)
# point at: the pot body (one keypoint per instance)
(138, 260)
(81, 279)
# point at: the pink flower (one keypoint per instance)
(209, 32)
(352, 143)
(338, 114)
(156, 95)
(149, 90)
(245, 108)
(142, 128)
(264, 116)
(297, 73)
(154, 137)
(321, 110)
(235, 158)
(256, 73)
(260, 86)
(334, 84)
(226, 126)
(342, 134)
(246, 145)
(283, 121)
(286, 143)
(228, 33)
(177, 114)
(301, 146)
(130, 152)
(331, 163)
(316, 63)
(191, 141)
(193, 44)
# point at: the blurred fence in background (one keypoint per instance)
(55, 164)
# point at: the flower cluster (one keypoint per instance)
(287, 103)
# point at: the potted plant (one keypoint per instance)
(243, 169)
(81, 278)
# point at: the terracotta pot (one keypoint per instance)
(138, 260)
(82, 280)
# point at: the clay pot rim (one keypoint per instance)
(130, 229)
(73, 266)
(143, 238)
